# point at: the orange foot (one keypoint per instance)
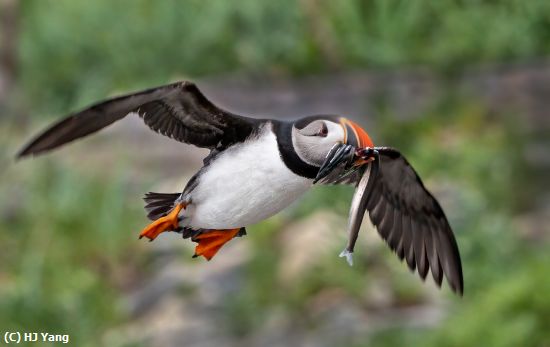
(168, 222)
(210, 242)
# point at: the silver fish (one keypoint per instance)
(338, 166)
(359, 205)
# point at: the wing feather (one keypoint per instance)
(410, 219)
(178, 110)
(427, 238)
(407, 236)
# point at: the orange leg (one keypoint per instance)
(209, 243)
(166, 223)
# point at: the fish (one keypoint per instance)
(340, 156)
(358, 208)
(340, 162)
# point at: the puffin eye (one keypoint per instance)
(317, 128)
(323, 132)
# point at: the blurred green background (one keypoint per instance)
(461, 87)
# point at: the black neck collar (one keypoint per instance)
(283, 132)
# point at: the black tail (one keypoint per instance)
(159, 204)
(192, 233)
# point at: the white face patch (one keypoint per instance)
(335, 132)
(314, 149)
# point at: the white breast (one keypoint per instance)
(244, 185)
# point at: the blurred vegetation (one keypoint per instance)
(67, 261)
(125, 44)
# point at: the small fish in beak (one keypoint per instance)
(356, 153)
(360, 199)
(340, 154)
(351, 159)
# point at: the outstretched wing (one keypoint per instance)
(177, 110)
(410, 219)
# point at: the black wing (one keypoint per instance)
(410, 219)
(177, 110)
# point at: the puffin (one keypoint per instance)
(257, 167)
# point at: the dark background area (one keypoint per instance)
(460, 87)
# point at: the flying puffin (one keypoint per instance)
(257, 167)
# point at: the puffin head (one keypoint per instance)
(314, 137)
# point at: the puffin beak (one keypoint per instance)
(356, 149)
(355, 136)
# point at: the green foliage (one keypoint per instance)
(81, 51)
(513, 310)
(63, 256)
(74, 52)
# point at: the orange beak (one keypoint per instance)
(355, 135)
